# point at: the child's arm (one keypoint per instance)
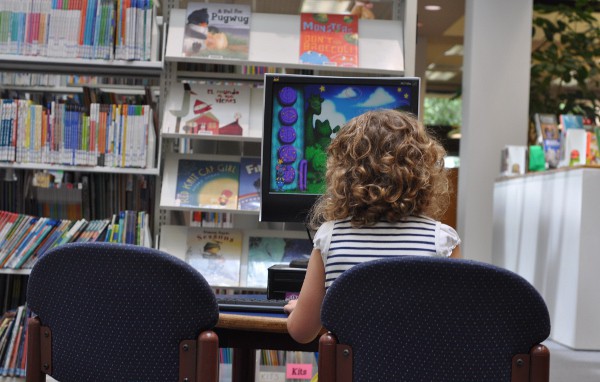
(304, 321)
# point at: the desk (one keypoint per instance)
(246, 333)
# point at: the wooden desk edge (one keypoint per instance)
(252, 323)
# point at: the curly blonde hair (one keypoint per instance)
(382, 166)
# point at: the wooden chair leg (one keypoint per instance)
(208, 357)
(540, 364)
(34, 357)
(327, 357)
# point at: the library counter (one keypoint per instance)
(247, 332)
(545, 229)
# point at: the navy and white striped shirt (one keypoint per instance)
(343, 246)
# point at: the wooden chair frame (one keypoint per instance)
(198, 359)
(335, 362)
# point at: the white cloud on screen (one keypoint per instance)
(329, 112)
(379, 98)
(347, 93)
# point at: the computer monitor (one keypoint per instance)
(302, 113)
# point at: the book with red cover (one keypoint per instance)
(329, 39)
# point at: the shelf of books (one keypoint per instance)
(146, 68)
(95, 35)
(281, 40)
(64, 135)
(24, 238)
(232, 258)
(211, 183)
(209, 111)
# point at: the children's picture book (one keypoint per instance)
(547, 128)
(207, 183)
(571, 121)
(216, 254)
(514, 160)
(249, 190)
(576, 147)
(215, 30)
(329, 39)
(207, 109)
(265, 249)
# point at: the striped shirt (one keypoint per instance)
(343, 246)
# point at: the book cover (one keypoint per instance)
(575, 147)
(514, 160)
(216, 30)
(249, 190)
(216, 254)
(268, 248)
(329, 39)
(208, 109)
(547, 129)
(571, 121)
(207, 183)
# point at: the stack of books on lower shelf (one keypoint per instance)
(13, 336)
(24, 238)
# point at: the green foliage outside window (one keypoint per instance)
(565, 66)
(442, 111)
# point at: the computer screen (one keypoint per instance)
(302, 113)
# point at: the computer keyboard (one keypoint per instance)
(240, 303)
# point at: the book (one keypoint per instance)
(216, 30)
(216, 254)
(547, 129)
(266, 248)
(329, 39)
(514, 160)
(576, 147)
(207, 183)
(208, 109)
(571, 121)
(249, 189)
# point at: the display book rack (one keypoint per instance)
(14, 68)
(274, 39)
(273, 46)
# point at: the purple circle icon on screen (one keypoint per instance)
(287, 134)
(288, 115)
(287, 96)
(287, 153)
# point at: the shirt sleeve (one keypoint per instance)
(446, 239)
(322, 239)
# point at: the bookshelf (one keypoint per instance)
(42, 73)
(273, 44)
(386, 48)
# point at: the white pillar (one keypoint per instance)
(495, 98)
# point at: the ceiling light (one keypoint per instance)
(436, 75)
(433, 7)
(456, 50)
(325, 6)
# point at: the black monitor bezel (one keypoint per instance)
(276, 207)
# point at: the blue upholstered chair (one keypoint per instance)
(117, 312)
(413, 318)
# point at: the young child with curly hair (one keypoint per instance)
(385, 186)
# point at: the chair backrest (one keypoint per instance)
(417, 318)
(118, 312)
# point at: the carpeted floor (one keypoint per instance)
(568, 365)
